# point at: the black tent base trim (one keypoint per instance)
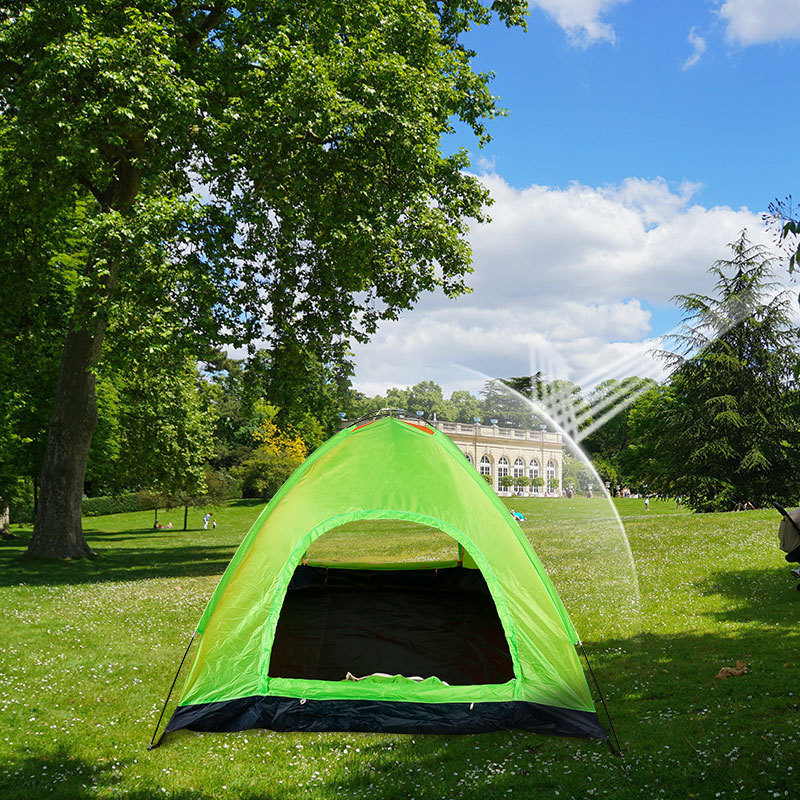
(384, 716)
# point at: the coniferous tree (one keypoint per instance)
(724, 430)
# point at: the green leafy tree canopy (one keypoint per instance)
(246, 171)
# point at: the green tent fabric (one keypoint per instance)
(395, 470)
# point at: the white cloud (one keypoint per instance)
(485, 164)
(459, 344)
(580, 19)
(699, 45)
(761, 21)
(640, 238)
(564, 278)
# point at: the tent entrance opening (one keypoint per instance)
(412, 622)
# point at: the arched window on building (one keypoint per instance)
(551, 474)
(502, 471)
(519, 469)
(485, 467)
(534, 472)
(468, 457)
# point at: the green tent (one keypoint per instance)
(476, 644)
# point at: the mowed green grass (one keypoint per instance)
(89, 650)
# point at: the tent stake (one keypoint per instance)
(618, 750)
(169, 693)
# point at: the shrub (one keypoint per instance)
(92, 506)
(116, 504)
(274, 460)
(20, 511)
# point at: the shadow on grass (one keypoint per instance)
(114, 563)
(245, 502)
(132, 535)
(132, 554)
(58, 774)
(755, 595)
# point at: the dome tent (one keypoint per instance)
(478, 644)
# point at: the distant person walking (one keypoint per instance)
(647, 504)
(206, 518)
(214, 523)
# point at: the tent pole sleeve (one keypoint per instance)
(153, 743)
(617, 751)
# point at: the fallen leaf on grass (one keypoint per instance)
(727, 672)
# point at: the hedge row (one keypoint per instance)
(133, 501)
(94, 506)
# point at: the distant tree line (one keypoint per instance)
(506, 401)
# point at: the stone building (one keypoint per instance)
(497, 451)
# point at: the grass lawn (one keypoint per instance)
(89, 650)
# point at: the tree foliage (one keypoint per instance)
(427, 398)
(276, 457)
(562, 399)
(165, 430)
(577, 475)
(35, 281)
(725, 429)
(505, 406)
(229, 173)
(233, 395)
(783, 218)
(313, 129)
(465, 406)
(608, 445)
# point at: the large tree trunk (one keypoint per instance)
(57, 531)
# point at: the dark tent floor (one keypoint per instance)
(421, 623)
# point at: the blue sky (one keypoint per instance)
(604, 111)
(641, 137)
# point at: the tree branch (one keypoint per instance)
(92, 189)
(195, 36)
